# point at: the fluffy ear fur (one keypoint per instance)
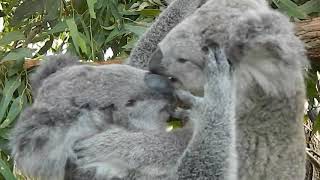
(50, 66)
(169, 18)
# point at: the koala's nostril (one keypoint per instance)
(173, 79)
(131, 103)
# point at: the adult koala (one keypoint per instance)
(268, 62)
(73, 102)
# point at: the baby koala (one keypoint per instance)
(74, 101)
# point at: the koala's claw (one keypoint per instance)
(182, 114)
(217, 61)
(187, 98)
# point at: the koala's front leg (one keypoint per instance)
(219, 82)
(211, 152)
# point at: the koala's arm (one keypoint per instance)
(211, 153)
(42, 140)
(119, 153)
(39, 147)
(172, 15)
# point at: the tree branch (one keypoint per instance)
(307, 30)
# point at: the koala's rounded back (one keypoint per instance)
(115, 89)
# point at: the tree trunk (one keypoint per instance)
(309, 32)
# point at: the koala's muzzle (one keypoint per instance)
(159, 84)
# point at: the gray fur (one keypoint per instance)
(211, 153)
(79, 101)
(169, 18)
(49, 67)
(268, 60)
(155, 155)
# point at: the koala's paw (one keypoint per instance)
(217, 65)
(217, 72)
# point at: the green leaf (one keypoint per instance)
(91, 8)
(15, 109)
(4, 147)
(4, 133)
(138, 30)
(310, 7)
(143, 6)
(131, 44)
(17, 54)
(115, 33)
(113, 7)
(6, 171)
(290, 8)
(58, 28)
(109, 28)
(52, 9)
(12, 36)
(150, 12)
(78, 41)
(27, 9)
(10, 87)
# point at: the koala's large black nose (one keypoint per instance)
(160, 84)
(155, 62)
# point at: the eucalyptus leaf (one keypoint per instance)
(150, 12)
(4, 146)
(131, 44)
(58, 28)
(17, 54)
(6, 171)
(27, 9)
(91, 4)
(14, 111)
(4, 133)
(52, 9)
(78, 41)
(10, 87)
(113, 7)
(12, 36)
(290, 8)
(310, 6)
(137, 30)
(115, 33)
(143, 6)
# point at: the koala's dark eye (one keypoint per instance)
(182, 60)
(131, 103)
(205, 49)
(173, 79)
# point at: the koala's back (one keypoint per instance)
(100, 85)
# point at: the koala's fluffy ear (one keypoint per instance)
(160, 84)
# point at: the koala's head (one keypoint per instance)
(134, 99)
(180, 57)
(119, 92)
